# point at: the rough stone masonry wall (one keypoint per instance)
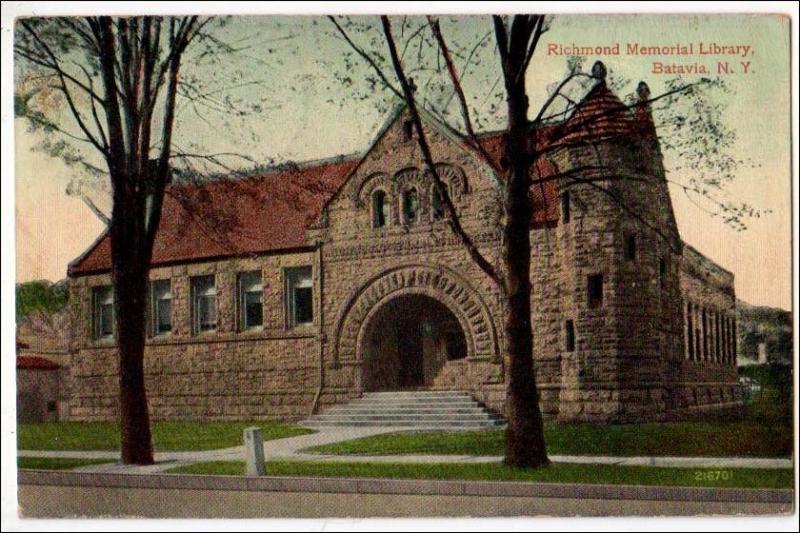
(366, 266)
(266, 373)
(616, 371)
(547, 317)
(38, 395)
(707, 374)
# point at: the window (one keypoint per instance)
(662, 272)
(455, 346)
(299, 296)
(250, 307)
(569, 336)
(437, 204)
(595, 290)
(103, 312)
(380, 209)
(410, 206)
(408, 129)
(705, 335)
(630, 247)
(690, 330)
(51, 407)
(565, 214)
(204, 304)
(161, 306)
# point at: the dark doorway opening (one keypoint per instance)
(408, 341)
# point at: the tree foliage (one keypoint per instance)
(41, 296)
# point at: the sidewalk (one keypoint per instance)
(292, 449)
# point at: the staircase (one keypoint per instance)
(418, 410)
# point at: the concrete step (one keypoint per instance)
(416, 394)
(410, 417)
(444, 425)
(414, 404)
(416, 429)
(392, 410)
(427, 410)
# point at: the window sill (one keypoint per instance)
(307, 326)
(103, 342)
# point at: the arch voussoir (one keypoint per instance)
(438, 282)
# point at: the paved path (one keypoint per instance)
(292, 449)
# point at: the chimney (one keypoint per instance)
(642, 109)
(599, 72)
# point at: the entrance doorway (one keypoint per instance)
(408, 341)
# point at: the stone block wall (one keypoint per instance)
(266, 373)
(629, 361)
(38, 395)
(706, 375)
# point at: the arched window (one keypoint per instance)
(410, 206)
(380, 209)
(437, 204)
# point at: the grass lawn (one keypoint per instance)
(710, 439)
(167, 436)
(57, 463)
(556, 473)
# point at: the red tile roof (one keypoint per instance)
(272, 212)
(34, 362)
(599, 115)
(234, 217)
(544, 195)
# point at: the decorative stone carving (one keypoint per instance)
(438, 282)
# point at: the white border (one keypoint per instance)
(10, 10)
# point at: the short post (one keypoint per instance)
(254, 452)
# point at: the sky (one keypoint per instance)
(307, 111)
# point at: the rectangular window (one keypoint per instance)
(299, 296)
(251, 313)
(161, 306)
(662, 272)
(689, 330)
(630, 247)
(103, 311)
(204, 304)
(705, 335)
(595, 290)
(565, 214)
(569, 336)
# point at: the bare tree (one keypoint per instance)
(115, 86)
(525, 147)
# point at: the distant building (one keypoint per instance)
(42, 367)
(38, 389)
(342, 276)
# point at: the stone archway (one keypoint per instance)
(407, 341)
(438, 282)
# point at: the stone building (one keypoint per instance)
(279, 295)
(38, 389)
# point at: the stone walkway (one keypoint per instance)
(292, 449)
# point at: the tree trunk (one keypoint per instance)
(525, 445)
(130, 267)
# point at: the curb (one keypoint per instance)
(402, 486)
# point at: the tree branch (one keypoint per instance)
(462, 99)
(452, 218)
(366, 56)
(96, 210)
(63, 88)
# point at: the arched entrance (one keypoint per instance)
(407, 341)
